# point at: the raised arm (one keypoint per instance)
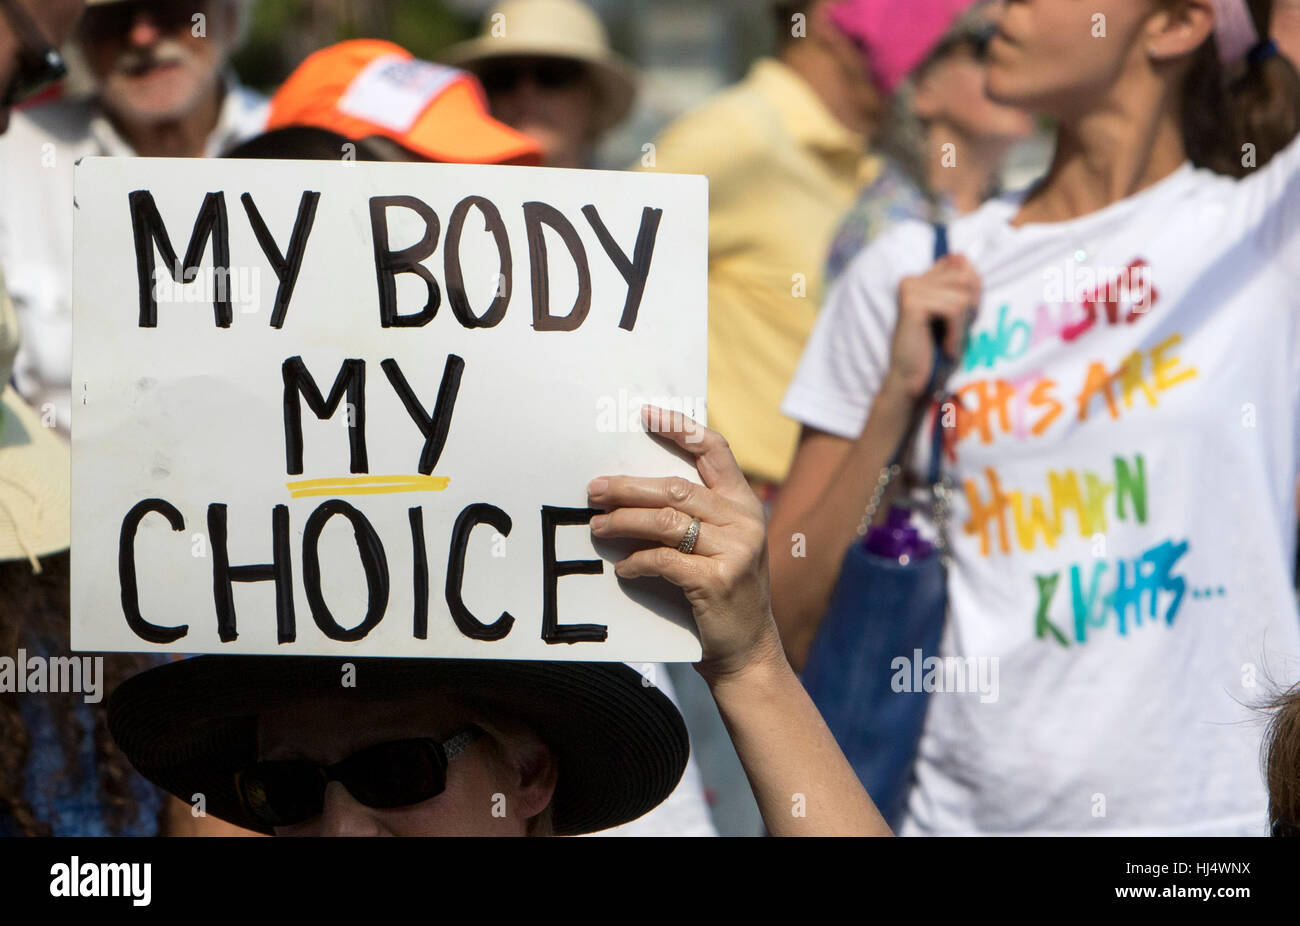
(826, 493)
(801, 780)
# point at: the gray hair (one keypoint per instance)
(903, 135)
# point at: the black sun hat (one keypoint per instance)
(620, 743)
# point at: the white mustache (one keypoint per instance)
(136, 60)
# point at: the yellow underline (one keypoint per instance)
(358, 480)
(365, 485)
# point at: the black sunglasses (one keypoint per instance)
(974, 38)
(387, 775)
(39, 62)
(117, 19)
(505, 75)
(980, 38)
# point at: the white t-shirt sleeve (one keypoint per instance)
(1270, 200)
(847, 356)
(1267, 202)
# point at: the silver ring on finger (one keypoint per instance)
(692, 534)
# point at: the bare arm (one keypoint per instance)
(803, 784)
(817, 514)
(801, 780)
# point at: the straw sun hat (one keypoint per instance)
(34, 465)
(553, 29)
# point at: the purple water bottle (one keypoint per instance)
(897, 539)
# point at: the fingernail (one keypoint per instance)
(599, 521)
(597, 487)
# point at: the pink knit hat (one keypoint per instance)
(896, 36)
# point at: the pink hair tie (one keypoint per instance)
(1234, 30)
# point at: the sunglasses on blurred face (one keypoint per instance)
(978, 40)
(117, 19)
(505, 76)
(39, 63)
(974, 39)
(388, 775)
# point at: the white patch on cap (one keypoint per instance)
(393, 91)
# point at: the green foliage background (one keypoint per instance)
(283, 32)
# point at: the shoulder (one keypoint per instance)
(733, 127)
(743, 104)
(904, 248)
(42, 143)
(249, 103)
(243, 116)
(1269, 194)
(61, 122)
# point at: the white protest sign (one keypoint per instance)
(366, 423)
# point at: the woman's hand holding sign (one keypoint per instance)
(724, 574)
(712, 544)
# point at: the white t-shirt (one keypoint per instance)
(1138, 437)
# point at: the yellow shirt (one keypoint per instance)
(782, 172)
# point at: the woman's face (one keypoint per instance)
(485, 794)
(551, 100)
(953, 91)
(1056, 56)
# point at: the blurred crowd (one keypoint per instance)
(862, 116)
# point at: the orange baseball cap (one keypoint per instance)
(366, 87)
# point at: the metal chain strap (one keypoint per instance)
(941, 491)
(877, 496)
(941, 494)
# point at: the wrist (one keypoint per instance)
(765, 664)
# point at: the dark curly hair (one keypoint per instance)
(34, 609)
(1282, 763)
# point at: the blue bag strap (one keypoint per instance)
(939, 372)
